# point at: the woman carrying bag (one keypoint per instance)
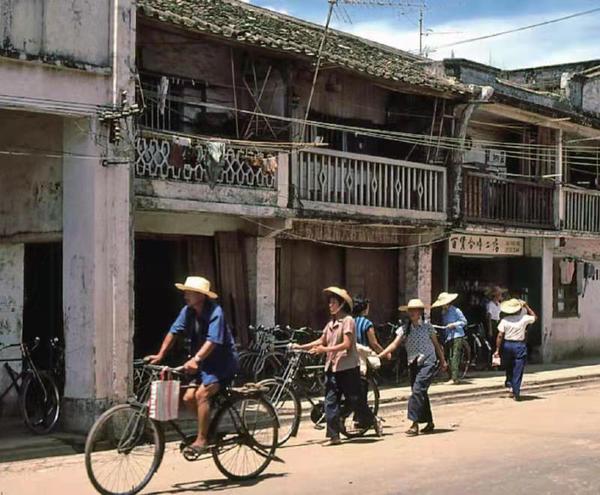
(422, 346)
(342, 372)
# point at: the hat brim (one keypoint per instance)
(512, 308)
(406, 308)
(344, 295)
(446, 300)
(207, 293)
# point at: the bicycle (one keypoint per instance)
(480, 348)
(298, 382)
(39, 397)
(125, 447)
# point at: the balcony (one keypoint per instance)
(335, 181)
(493, 199)
(582, 210)
(172, 167)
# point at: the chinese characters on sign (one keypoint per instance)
(485, 245)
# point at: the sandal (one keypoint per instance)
(412, 431)
(428, 429)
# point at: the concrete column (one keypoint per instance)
(546, 313)
(418, 273)
(261, 279)
(97, 275)
(11, 314)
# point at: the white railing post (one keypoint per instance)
(559, 199)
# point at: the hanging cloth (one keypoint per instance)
(163, 91)
(567, 270)
(580, 274)
(215, 161)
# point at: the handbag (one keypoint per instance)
(496, 361)
(164, 400)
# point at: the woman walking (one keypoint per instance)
(365, 330)
(422, 346)
(512, 330)
(342, 374)
(454, 322)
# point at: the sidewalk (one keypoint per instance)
(16, 443)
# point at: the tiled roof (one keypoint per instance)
(245, 23)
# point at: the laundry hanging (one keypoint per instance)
(567, 270)
(215, 161)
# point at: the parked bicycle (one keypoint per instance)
(480, 349)
(125, 446)
(39, 397)
(301, 380)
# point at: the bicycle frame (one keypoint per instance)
(27, 368)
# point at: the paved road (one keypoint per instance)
(548, 444)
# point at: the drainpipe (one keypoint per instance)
(115, 44)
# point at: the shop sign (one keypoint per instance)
(485, 245)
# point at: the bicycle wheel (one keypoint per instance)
(244, 433)
(465, 362)
(40, 402)
(287, 406)
(349, 427)
(123, 450)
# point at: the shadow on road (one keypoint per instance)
(215, 485)
(526, 398)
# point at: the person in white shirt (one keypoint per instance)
(512, 332)
(492, 312)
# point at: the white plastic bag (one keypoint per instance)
(164, 400)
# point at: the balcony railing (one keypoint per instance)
(366, 183)
(158, 156)
(582, 210)
(492, 199)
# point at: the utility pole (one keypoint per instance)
(421, 30)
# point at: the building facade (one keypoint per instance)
(388, 174)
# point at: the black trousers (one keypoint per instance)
(346, 384)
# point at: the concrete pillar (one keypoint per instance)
(261, 257)
(546, 312)
(417, 271)
(11, 314)
(97, 275)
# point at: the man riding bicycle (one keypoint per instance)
(212, 356)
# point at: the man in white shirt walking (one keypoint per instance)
(512, 331)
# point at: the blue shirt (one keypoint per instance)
(209, 326)
(454, 315)
(362, 327)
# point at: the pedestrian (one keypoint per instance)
(512, 337)
(422, 346)
(365, 330)
(492, 313)
(342, 373)
(454, 322)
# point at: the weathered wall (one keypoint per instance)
(30, 181)
(11, 312)
(577, 337)
(73, 39)
(591, 96)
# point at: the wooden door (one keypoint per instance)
(233, 282)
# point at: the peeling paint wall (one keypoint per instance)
(578, 337)
(11, 312)
(30, 182)
(56, 30)
(591, 96)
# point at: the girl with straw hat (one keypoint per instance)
(422, 346)
(454, 322)
(512, 330)
(342, 365)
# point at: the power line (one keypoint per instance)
(516, 30)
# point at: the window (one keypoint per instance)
(566, 298)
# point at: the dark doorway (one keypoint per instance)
(42, 309)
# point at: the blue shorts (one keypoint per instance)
(208, 378)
